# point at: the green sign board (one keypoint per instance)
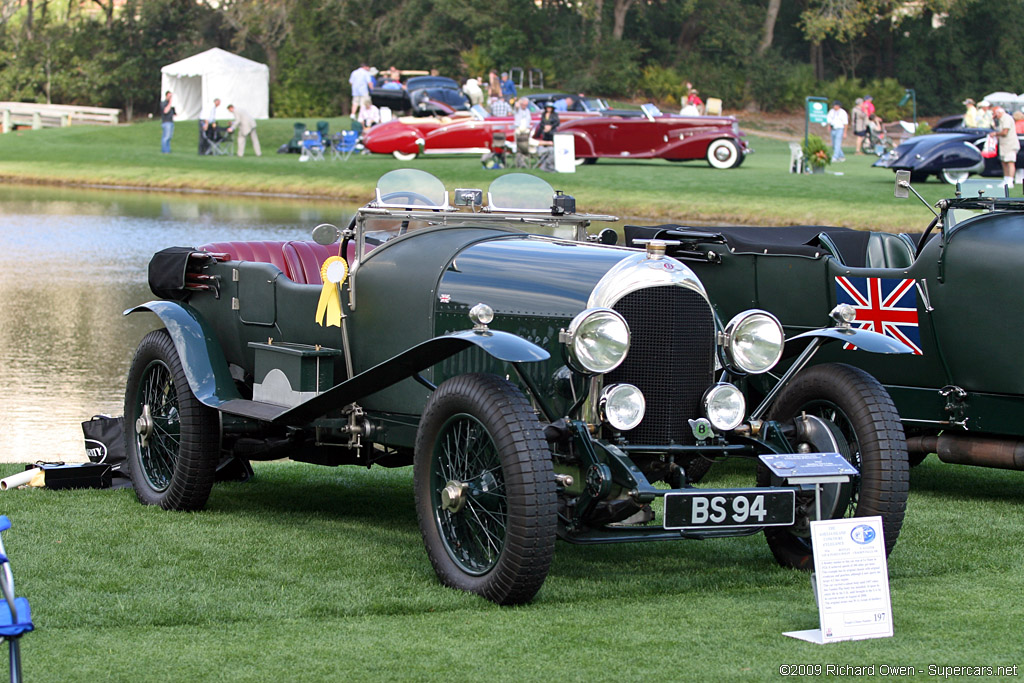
(817, 110)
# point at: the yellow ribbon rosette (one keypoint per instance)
(334, 272)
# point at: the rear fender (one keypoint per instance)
(206, 369)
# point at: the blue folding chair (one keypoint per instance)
(15, 616)
(343, 144)
(312, 147)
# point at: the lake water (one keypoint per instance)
(71, 261)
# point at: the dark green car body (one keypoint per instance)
(456, 349)
(961, 394)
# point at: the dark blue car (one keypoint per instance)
(952, 153)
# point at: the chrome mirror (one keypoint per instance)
(326, 234)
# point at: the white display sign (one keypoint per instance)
(852, 581)
(565, 152)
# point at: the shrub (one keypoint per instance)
(815, 152)
(661, 84)
(293, 99)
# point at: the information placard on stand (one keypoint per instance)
(565, 153)
(851, 581)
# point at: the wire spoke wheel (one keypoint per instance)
(171, 439)
(160, 440)
(474, 526)
(485, 489)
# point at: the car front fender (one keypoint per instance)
(865, 340)
(206, 369)
(503, 346)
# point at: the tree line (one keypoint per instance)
(756, 54)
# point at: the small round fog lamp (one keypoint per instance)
(481, 315)
(844, 314)
(623, 406)
(724, 406)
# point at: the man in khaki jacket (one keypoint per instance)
(246, 125)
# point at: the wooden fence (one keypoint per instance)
(38, 116)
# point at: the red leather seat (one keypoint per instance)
(261, 252)
(299, 261)
(305, 259)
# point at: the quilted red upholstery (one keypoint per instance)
(299, 261)
(305, 259)
(261, 252)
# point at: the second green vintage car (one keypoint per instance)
(542, 386)
(951, 293)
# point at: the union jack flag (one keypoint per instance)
(883, 305)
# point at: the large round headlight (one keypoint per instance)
(725, 407)
(597, 341)
(753, 341)
(623, 406)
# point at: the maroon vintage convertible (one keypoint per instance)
(655, 135)
(618, 134)
(469, 132)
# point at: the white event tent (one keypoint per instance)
(197, 80)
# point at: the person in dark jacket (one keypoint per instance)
(548, 124)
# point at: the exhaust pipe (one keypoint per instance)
(963, 449)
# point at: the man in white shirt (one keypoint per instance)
(207, 126)
(362, 83)
(1006, 134)
(837, 121)
(523, 117)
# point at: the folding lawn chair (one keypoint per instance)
(343, 144)
(294, 146)
(796, 158)
(526, 150)
(312, 147)
(323, 127)
(15, 616)
(218, 143)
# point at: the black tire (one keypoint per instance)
(866, 146)
(590, 161)
(485, 489)
(724, 153)
(863, 413)
(918, 176)
(176, 467)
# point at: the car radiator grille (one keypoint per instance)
(670, 359)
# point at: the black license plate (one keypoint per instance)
(728, 509)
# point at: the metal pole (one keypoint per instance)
(344, 334)
(15, 660)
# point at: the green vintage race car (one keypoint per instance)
(952, 293)
(541, 386)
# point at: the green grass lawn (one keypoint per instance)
(760, 192)
(319, 574)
